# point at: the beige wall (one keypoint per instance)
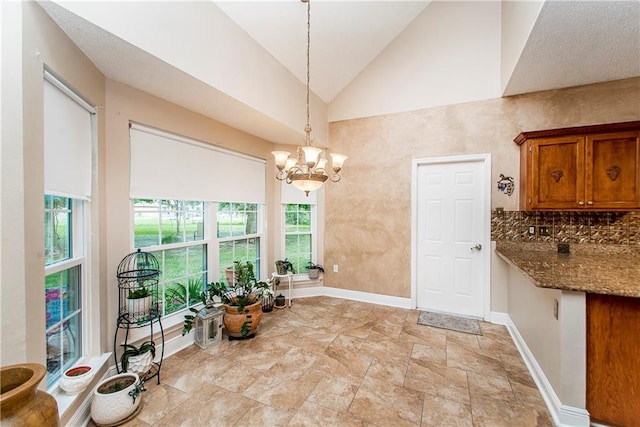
(125, 104)
(31, 40)
(368, 214)
(42, 43)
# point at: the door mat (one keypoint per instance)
(445, 321)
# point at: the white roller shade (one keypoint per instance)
(166, 166)
(67, 142)
(290, 194)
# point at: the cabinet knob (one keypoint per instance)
(589, 202)
(581, 203)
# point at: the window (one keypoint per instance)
(238, 235)
(69, 136)
(174, 232)
(64, 264)
(298, 235)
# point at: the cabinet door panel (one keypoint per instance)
(612, 170)
(613, 377)
(558, 173)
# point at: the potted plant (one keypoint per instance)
(115, 400)
(139, 302)
(242, 302)
(284, 266)
(76, 379)
(138, 359)
(314, 270)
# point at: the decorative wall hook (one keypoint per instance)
(505, 184)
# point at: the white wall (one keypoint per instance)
(12, 211)
(449, 54)
(557, 345)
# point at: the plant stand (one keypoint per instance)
(289, 277)
(139, 270)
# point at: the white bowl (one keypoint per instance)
(74, 384)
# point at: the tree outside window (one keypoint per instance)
(238, 235)
(298, 235)
(174, 232)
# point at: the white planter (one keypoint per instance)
(138, 308)
(116, 407)
(140, 364)
(74, 384)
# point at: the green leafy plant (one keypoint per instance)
(178, 296)
(139, 293)
(283, 266)
(132, 350)
(312, 266)
(245, 291)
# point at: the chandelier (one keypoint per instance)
(306, 170)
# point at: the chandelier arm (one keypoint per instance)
(335, 177)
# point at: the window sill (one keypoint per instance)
(68, 404)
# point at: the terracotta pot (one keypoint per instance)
(21, 403)
(233, 320)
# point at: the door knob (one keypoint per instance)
(477, 247)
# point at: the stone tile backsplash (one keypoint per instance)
(607, 228)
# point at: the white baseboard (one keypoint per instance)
(563, 415)
(499, 318)
(368, 297)
(318, 291)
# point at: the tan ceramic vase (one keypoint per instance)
(21, 403)
(233, 320)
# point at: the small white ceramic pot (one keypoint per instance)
(112, 402)
(141, 363)
(76, 379)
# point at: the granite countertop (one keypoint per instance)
(590, 268)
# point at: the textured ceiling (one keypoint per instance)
(576, 43)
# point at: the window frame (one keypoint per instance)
(313, 210)
(259, 234)
(212, 242)
(79, 245)
(175, 317)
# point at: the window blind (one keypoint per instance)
(67, 141)
(168, 166)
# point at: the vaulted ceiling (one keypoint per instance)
(162, 52)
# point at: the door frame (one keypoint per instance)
(485, 158)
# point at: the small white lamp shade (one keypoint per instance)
(281, 158)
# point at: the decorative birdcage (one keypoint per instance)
(208, 326)
(138, 275)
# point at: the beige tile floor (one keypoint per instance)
(334, 362)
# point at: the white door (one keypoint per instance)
(450, 237)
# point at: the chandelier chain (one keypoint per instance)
(308, 127)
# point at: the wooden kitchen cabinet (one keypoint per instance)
(613, 359)
(588, 167)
